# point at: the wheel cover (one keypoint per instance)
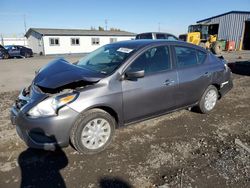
(210, 99)
(96, 133)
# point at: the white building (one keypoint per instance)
(67, 41)
(22, 41)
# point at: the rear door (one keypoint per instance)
(156, 91)
(193, 73)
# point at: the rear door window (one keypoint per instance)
(187, 56)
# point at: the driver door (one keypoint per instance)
(155, 92)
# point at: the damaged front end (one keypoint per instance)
(53, 87)
(68, 87)
(41, 113)
(60, 74)
(43, 120)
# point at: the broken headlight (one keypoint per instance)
(50, 106)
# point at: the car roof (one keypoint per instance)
(136, 44)
(156, 33)
(14, 46)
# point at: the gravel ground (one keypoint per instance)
(181, 149)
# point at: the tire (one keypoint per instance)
(6, 56)
(203, 45)
(205, 106)
(216, 48)
(82, 134)
(26, 55)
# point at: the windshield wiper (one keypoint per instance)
(103, 72)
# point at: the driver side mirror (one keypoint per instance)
(133, 75)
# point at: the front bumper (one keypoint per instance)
(226, 87)
(44, 132)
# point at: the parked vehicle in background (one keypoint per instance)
(19, 51)
(206, 36)
(156, 35)
(3, 53)
(117, 84)
(183, 37)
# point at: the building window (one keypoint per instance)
(54, 41)
(75, 41)
(112, 40)
(95, 41)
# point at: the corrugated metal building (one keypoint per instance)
(234, 25)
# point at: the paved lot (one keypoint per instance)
(181, 149)
(16, 73)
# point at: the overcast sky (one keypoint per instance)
(171, 16)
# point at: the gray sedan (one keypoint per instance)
(118, 84)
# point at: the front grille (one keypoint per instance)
(20, 103)
(23, 98)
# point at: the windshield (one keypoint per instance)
(198, 28)
(194, 28)
(7, 47)
(105, 59)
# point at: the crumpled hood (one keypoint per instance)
(59, 73)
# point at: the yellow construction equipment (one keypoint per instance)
(204, 36)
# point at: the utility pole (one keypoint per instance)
(24, 22)
(2, 39)
(159, 26)
(106, 24)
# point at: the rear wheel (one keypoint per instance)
(93, 131)
(216, 48)
(208, 100)
(26, 55)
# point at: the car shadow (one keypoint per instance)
(241, 67)
(40, 168)
(113, 182)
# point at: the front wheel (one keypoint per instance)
(6, 56)
(93, 131)
(208, 100)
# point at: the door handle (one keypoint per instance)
(206, 74)
(169, 82)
